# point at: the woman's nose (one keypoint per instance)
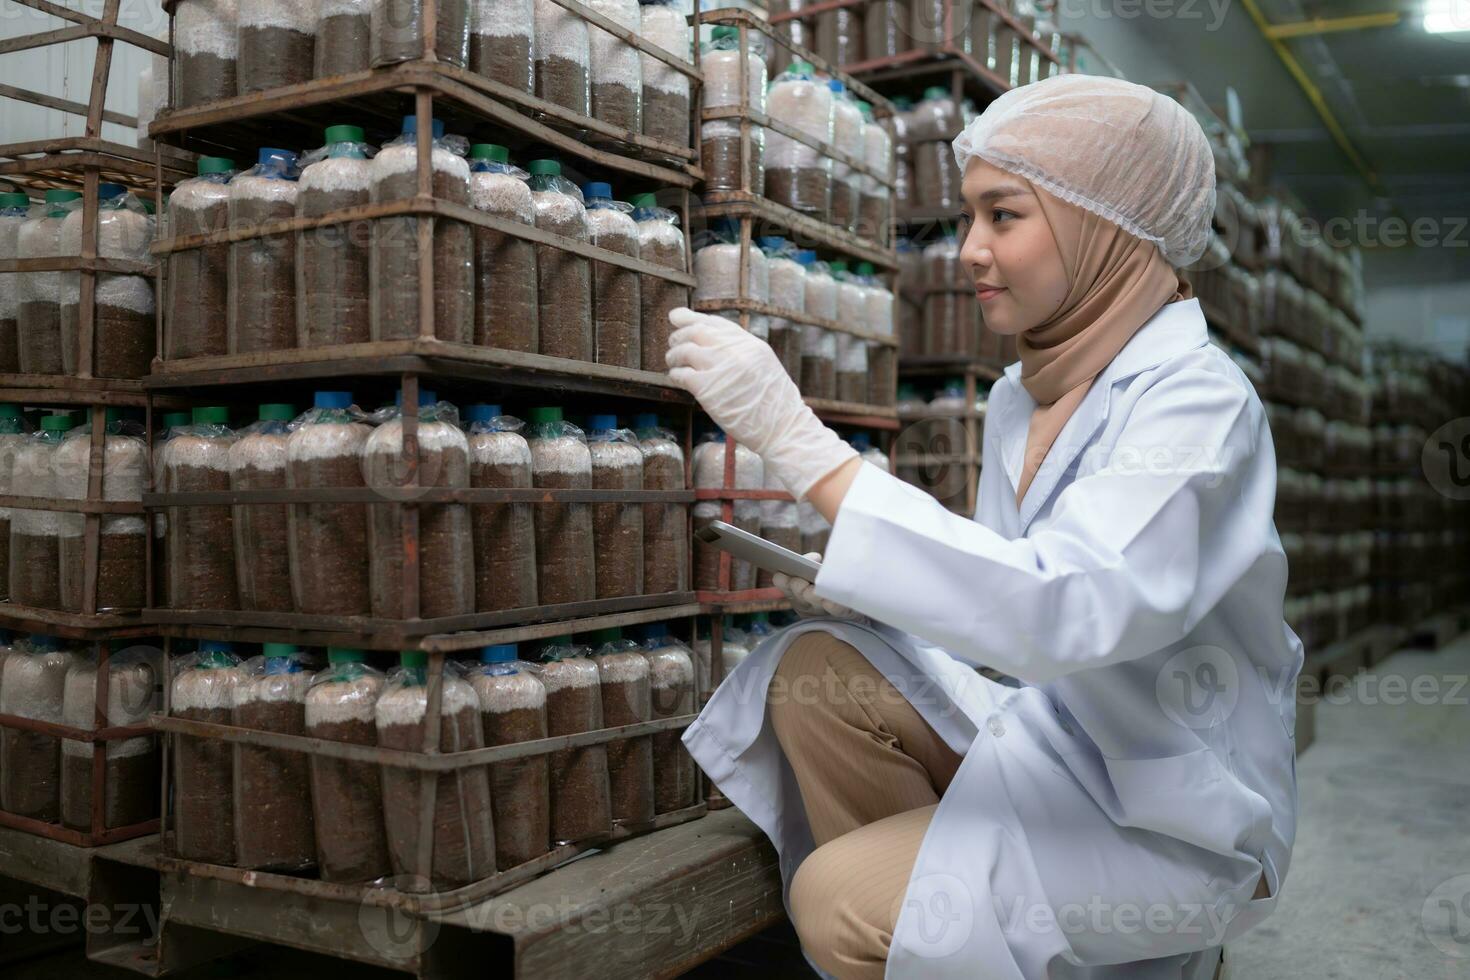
(975, 252)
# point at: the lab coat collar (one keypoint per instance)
(1174, 330)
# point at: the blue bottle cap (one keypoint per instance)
(332, 399)
(601, 423)
(498, 654)
(411, 127)
(106, 192)
(836, 85)
(655, 631)
(482, 412)
(645, 420)
(596, 188)
(269, 155)
(806, 257)
(772, 242)
(426, 397)
(860, 441)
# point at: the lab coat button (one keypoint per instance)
(996, 726)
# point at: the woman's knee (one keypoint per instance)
(834, 925)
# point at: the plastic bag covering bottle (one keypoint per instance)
(276, 44)
(852, 352)
(38, 317)
(709, 473)
(332, 262)
(14, 208)
(132, 764)
(778, 525)
(875, 208)
(797, 175)
(197, 304)
(936, 117)
(787, 280)
(949, 400)
(665, 526)
(951, 319)
(840, 35)
(720, 138)
(581, 796)
(263, 270)
(847, 137)
(513, 710)
(162, 540)
(463, 845)
(346, 797)
(273, 824)
(660, 242)
(565, 563)
(665, 90)
(801, 32)
(446, 583)
(33, 686)
(258, 462)
(504, 534)
(887, 29)
(501, 38)
(122, 544)
(616, 304)
(563, 57)
(395, 252)
(329, 549)
(35, 535)
(207, 50)
(818, 346)
(882, 360)
(204, 688)
(123, 325)
(717, 274)
(564, 280)
(616, 68)
(735, 648)
(201, 538)
(13, 436)
(904, 195)
(626, 700)
(398, 32)
(671, 694)
(343, 37)
(617, 528)
(506, 310)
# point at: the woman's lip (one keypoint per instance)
(986, 294)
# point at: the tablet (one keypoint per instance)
(758, 551)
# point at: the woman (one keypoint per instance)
(1131, 806)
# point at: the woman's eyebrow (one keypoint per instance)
(996, 193)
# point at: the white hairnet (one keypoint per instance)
(1131, 155)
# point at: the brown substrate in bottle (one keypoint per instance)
(617, 307)
(397, 32)
(39, 338)
(675, 778)
(882, 376)
(807, 189)
(785, 340)
(873, 217)
(198, 303)
(204, 787)
(564, 295)
(4, 563)
(396, 264)
(262, 544)
(666, 116)
(31, 781)
(204, 78)
(124, 341)
(506, 306)
(565, 566)
(816, 542)
(330, 567)
(203, 575)
(844, 202)
(617, 533)
(564, 83)
(720, 158)
(9, 346)
(617, 105)
(445, 549)
(35, 570)
(504, 59)
(665, 529)
(581, 804)
(818, 377)
(852, 386)
(274, 829)
(505, 542)
(342, 44)
(332, 271)
(625, 701)
(262, 281)
(347, 807)
(936, 175)
(131, 797)
(519, 788)
(121, 568)
(788, 538)
(657, 299)
(271, 57)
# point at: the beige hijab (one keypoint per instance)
(1116, 283)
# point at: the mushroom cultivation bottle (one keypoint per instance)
(852, 352)
(346, 796)
(665, 89)
(506, 308)
(665, 526)
(951, 320)
(446, 572)
(847, 137)
(565, 563)
(162, 540)
(14, 209)
(343, 37)
(273, 821)
(502, 33)
(564, 280)
(463, 844)
(332, 263)
(202, 537)
(798, 175)
(660, 242)
(840, 34)
(887, 29)
(276, 44)
(12, 437)
(131, 764)
(616, 68)
(38, 317)
(123, 325)
(398, 32)
(329, 550)
(720, 138)
(33, 687)
(563, 55)
(258, 462)
(204, 768)
(709, 473)
(875, 210)
(882, 359)
(206, 49)
(395, 251)
(624, 676)
(122, 540)
(616, 307)
(779, 524)
(197, 305)
(581, 795)
(717, 274)
(617, 528)
(671, 694)
(504, 534)
(35, 535)
(787, 278)
(512, 702)
(818, 346)
(263, 270)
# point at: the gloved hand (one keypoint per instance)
(804, 599)
(738, 380)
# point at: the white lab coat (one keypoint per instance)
(1113, 814)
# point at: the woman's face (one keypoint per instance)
(1009, 249)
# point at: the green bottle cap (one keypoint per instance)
(413, 658)
(610, 635)
(277, 412)
(493, 152)
(215, 165)
(62, 197)
(720, 33)
(278, 649)
(936, 92)
(175, 419)
(344, 655)
(865, 268)
(802, 68)
(644, 201)
(213, 415)
(545, 168)
(55, 423)
(9, 411)
(839, 265)
(542, 415)
(14, 200)
(345, 134)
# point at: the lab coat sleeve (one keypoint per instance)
(1135, 553)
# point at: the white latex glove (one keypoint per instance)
(804, 599)
(740, 383)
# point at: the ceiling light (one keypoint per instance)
(1447, 16)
